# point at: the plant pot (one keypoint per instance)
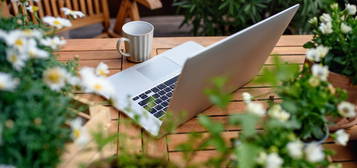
(133, 160)
(343, 82)
(319, 141)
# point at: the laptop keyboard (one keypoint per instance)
(156, 100)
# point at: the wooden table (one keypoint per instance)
(92, 51)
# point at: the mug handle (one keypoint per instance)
(120, 41)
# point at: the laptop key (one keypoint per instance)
(155, 90)
(159, 114)
(167, 89)
(136, 98)
(147, 92)
(145, 101)
(161, 93)
(164, 97)
(143, 96)
(165, 104)
(155, 95)
(152, 110)
(158, 101)
(159, 107)
(162, 86)
(169, 94)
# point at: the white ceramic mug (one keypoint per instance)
(138, 36)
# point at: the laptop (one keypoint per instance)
(173, 82)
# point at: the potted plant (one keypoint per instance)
(36, 103)
(313, 103)
(334, 44)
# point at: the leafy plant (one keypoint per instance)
(335, 41)
(307, 96)
(212, 17)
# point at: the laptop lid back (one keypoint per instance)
(238, 57)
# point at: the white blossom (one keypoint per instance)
(273, 161)
(341, 137)
(54, 42)
(256, 108)
(351, 9)
(7, 83)
(314, 81)
(319, 71)
(345, 28)
(95, 84)
(325, 18)
(334, 6)
(34, 52)
(55, 78)
(247, 97)
(346, 109)
(295, 149)
(326, 28)
(102, 69)
(79, 134)
(315, 54)
(74, 14)
(278, 113)
(57, 22)
(16, 58)
(314, 152)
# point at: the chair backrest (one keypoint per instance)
(96, 11)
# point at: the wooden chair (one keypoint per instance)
(96, 11)
(129, 9)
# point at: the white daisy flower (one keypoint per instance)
(345, 28)
(32, 33)
(16, 58)
(79, 134)
(256, 108)
(95, 84)
(32, 8)
(74, 14)
(54, 42)
(57, 22)
(34, 52)
(247, 97)
(55, 78)
(314, 152)
(351, 9)
(295, 149)
(346, 109)
(7, 83)
(273, 161)
(319, 71)
(102, 69)
(341, 137)
(315, 54)
(325, 18)
(15, 38)
(278, 113)
(326, 28)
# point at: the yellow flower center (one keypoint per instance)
(56, 22)
(98, 87)
(54, 77)
(102, 73)
(2, 85)
(19, 42)
(76, 133)
(13, 58)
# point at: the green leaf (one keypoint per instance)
(247, 154)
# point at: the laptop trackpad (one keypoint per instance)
(158, 68)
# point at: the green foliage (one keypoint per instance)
(308, 105)
(212, 17)
(33, 116)
(341, 57)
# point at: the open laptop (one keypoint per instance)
(173, 82)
